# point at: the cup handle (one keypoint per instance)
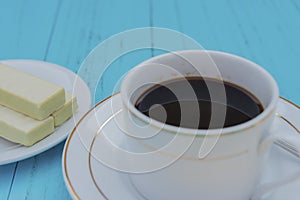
(263, 148)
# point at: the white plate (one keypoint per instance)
(12, 152)
(87, 178)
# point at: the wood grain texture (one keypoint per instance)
(6, 179)
(25, 30)
(81, 26)
(40, 177)
(65, 31)
(265, 32)
(77, 27)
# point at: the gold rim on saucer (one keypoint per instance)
(68, 183)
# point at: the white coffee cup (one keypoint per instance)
(228, 165)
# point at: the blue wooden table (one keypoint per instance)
(65, 31)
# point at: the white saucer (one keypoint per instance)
(12, 152)
(87, 178)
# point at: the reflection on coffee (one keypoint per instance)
(197, 102)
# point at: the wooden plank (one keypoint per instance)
(80, 26)
(83, 25)
(272, 31)
(40, 177)
(25, 29)
(190, 18)
(264, 32)
(6, 178)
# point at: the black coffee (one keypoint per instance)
(187, 103)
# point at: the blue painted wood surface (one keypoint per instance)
(65, 31)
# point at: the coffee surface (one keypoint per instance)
(199, 103)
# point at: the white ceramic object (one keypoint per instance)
(11, 152)
(88, 178)
(219, 164)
